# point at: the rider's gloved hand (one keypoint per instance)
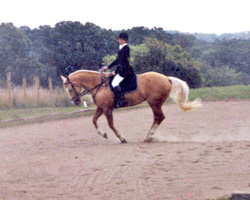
(105, 68)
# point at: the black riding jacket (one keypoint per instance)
(122, 62)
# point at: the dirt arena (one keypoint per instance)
(197, 155)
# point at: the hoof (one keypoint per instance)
(148, 140)
(105, 135)
(124, 141)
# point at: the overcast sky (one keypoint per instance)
(203, 16)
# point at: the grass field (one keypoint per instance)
(221, 93)
(35, 112)
(226, 197)
(28, 109)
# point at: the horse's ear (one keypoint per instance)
(63, 78)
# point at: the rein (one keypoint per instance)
(85, 91)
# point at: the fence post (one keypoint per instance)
(10, 99)
(37, 86)
(24, 89)
(50, 89)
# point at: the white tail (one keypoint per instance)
(179, 93)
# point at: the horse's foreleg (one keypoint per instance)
(158, 118)
(109, 115)
(98, 113)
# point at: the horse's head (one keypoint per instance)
(73, 90)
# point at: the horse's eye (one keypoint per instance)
(71, 90)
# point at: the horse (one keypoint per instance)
(154, 88)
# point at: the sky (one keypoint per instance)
(202, 16)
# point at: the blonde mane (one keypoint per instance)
(83, 70)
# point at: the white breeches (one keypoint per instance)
(117, 80)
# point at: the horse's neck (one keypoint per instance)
(86, 79)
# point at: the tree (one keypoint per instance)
(51, 51)
(16, 55)
(223, 76)
(170, 60)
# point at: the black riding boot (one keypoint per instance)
(120, 99)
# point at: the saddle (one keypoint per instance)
(128, 85)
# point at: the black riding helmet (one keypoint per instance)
(123, 36)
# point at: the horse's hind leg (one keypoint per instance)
(109, 115)
(158, 118)
(98, 113)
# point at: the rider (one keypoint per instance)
(123, 70)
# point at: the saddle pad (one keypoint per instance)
(128, 85)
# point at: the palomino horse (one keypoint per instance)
(152, 87)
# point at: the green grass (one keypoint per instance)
(35, 112)
(227, 197)
(12, 118)
(235, 92)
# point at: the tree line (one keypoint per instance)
(211, 37)
(48, 52)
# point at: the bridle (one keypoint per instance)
(85, 91)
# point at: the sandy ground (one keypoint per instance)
(200, 154)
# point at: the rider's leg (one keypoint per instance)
(119, 96)
(117, 80)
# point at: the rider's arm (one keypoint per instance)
(113, 64)
(122, 58)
